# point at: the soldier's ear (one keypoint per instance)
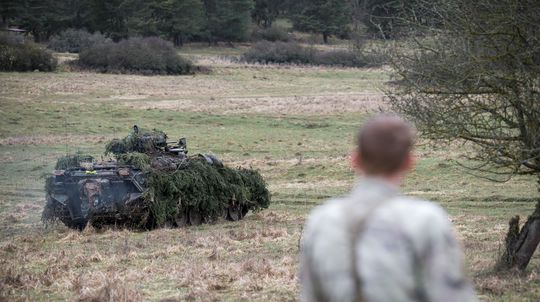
(356, 161)
(409, 163)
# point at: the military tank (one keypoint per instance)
(150, 182)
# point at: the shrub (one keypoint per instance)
(341, 57)
(376, 57)
(16, 54)
(135, 55)
(272, 34)
(11, 39)
(294, 53)
(279, 52)
(75, 40)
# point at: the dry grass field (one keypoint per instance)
(295, 124)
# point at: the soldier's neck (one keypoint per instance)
(393, 180)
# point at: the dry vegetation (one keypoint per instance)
(204, 264)
(294, 124)
(284, 105)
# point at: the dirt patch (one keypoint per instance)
(106, 87)
(311, 185)
(265, 163)
(52, 139)
(303, 105)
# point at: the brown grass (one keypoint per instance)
(237, 81)
(112, 266)
(251, 260)
(255, 259)
(297, 105)
(54, 139)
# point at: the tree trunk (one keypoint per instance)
(521, 244)
(37, 36)
(177, 40)
(325, 38)
(212, 41)
(359, 17)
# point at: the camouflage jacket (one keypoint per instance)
(405, 251)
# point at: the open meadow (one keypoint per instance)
(294, 124)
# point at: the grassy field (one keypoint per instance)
(294, 124)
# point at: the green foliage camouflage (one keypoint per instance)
(142, 142)
(206, 188)
(49, 186)
(66, 162)
(193, 185)
(71, 161)
(140, 161)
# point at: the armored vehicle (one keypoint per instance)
(150, 183)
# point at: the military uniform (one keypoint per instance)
(405, 250)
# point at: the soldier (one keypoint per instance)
(375, 244)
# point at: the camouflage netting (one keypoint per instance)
(205, 188)
(138, 160)
(73, 160)
(192, 184)
(141, 141)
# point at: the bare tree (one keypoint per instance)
(470, 70)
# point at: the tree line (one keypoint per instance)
(176, 20)
(195, 20)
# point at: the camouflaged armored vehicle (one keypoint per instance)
(150, 183)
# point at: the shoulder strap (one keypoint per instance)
(356, 226)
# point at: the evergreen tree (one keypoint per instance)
(9, 10)
(140, 18)
(179, 19)
(227, 20)
(326, 17)
(110, 17)
(383, 17)
(265, 12)
(43, 18)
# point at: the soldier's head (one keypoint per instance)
(384, 147)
